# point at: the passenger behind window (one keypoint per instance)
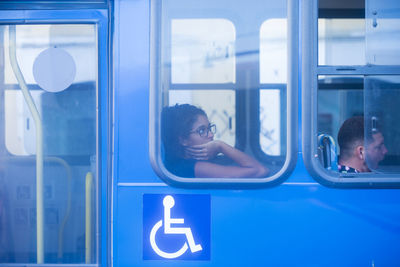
(354, 156)
(190, 148)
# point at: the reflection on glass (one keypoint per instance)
(68, 119)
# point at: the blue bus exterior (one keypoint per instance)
(297, 222)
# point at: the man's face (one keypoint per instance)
(376, 151)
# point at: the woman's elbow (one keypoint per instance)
(258, 171)
(262, 171)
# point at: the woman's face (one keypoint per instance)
(201, 125)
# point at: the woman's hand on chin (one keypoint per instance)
(204, 151)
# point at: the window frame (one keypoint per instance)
(156, 107)
(310, 72)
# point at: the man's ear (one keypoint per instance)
(360, 152)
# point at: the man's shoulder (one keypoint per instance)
(346, 169)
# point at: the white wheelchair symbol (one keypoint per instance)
(168, 203)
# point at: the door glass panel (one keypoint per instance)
(57, 65)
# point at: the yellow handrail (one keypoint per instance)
(88, 217)
(69, 198)
(39, 143)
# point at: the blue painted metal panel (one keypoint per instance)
(289, 225)
(132, 92)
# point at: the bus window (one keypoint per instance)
(233, 66)
(353, 139)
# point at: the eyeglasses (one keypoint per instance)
(203, 131)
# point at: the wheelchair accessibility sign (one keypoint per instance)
(176, 227)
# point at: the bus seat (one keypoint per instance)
(327, 151)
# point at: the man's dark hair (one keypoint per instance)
(177, 122)
(351, 134)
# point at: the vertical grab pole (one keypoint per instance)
(88, 217)
(39, 144)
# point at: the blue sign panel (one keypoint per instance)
(176, 227)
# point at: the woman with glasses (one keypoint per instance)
(188, 139)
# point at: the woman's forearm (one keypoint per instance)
(241, 158)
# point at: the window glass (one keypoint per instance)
(219, 106)
(231, 64)
(273, 51)
(270, 122)
(57, 66)
(339, 98)
(341, 41)
(383, 35)
(273, 72)
(382, 132)
(202, 51)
